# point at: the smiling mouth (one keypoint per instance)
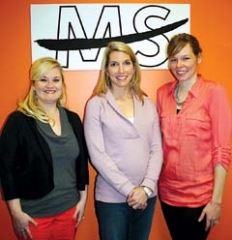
(180, 72)
(50, 91)
(121, 78)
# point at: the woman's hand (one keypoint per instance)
(212, 211)
(137, 199)
(21, 221)
(79, 213)
(80, 208)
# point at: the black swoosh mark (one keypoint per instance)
(82, 43)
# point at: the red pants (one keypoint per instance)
(58, 227)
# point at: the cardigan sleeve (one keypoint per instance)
(9, 148)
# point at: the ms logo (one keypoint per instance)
(76, 34)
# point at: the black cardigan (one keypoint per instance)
(26, 168)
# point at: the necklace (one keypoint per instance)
(178, 102)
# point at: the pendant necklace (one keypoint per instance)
(178, 102)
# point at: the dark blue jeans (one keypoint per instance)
(183, 222)
(118, 221)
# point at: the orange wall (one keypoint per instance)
(210, 22)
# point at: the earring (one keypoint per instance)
(108, 81)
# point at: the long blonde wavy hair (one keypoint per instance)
(29, 106)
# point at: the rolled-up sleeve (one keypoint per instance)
(221, 126)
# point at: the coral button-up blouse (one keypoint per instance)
(194, 141)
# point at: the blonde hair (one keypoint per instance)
(29, 106)
(104, 82)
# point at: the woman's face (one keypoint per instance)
(184, 64)
(120, 69)
(49, 87)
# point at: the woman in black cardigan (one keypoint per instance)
(44, 166)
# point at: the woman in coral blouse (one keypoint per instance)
(196, 126)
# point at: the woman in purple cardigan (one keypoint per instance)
(124, 141)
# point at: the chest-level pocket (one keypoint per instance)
(197, 124)
(170, 126)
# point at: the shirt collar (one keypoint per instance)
(194, 90)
